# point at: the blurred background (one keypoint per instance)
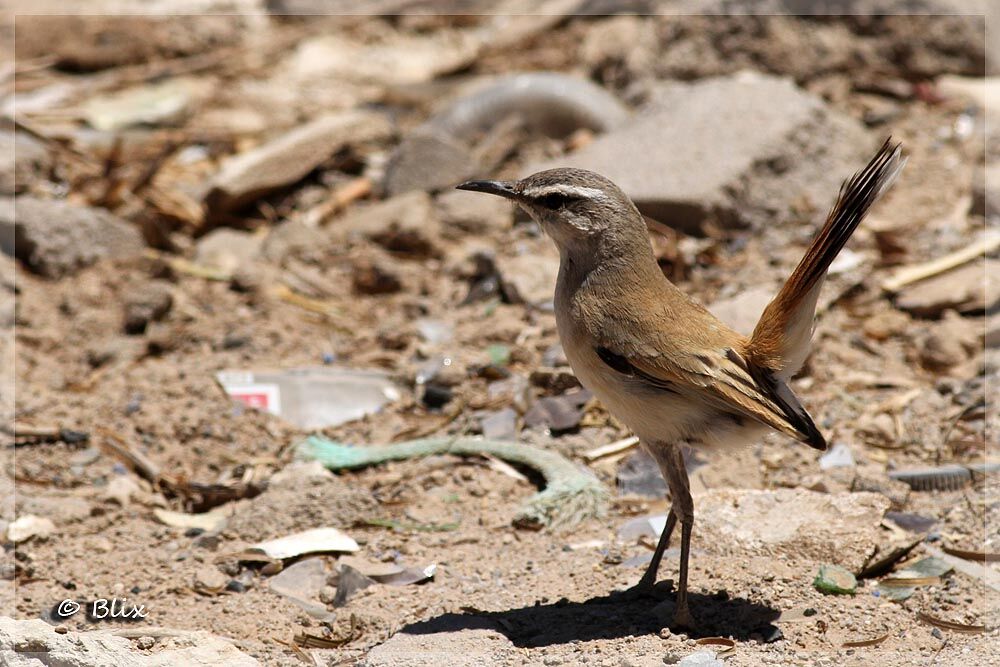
(224, 232)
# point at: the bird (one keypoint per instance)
(659, 361)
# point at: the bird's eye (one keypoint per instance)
(554, 200)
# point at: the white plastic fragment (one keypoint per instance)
(309, 541)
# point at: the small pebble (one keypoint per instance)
(145, 643)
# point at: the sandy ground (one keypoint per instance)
(501, 594)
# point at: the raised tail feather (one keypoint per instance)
(780, 342)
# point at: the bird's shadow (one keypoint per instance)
(611, 616)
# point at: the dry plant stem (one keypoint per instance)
(571, 495)
(618, 447)
(912, 274)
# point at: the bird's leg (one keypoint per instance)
(682, 506)
(649, 577)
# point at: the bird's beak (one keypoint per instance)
(503, 189)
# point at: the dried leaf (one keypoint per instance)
(951, 625)
(981, 556)
(729, 646)
(865, 642)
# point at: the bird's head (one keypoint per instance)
(579, 209)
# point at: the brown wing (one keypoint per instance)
(688, 350)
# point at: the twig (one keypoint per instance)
(142, 465)
(340, 198)
(612, 448)
(911, 274)
(572, 494)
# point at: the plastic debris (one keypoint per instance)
(941, 478)
(835, 580)
(312, 398)
(29, 526)
(839, 456)
(572, 494)
(309, 541)
(390, 574)
(644, 526)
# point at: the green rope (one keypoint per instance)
(572, 493)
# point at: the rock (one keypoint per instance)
(372, 277)
(427, 160)
(28, 526)
(840, 528)
(472, 214)
(55, 238)
(742, 310)
(35, 642)
(405, 224)
(554, 380)
(702, 658)
(122, 489)
(693, 153)
(147, 303)
(22, 160)
(558, 413)
(88, 43)
(301, 583)
(835, 580)
(291, 239)
(500, 425)
(227, 249)
(886, 324)
(532, 275)
(896, 491)
(161, 103)
(428, 645)
(949, 342)
(962, 289)
(209, 580)
(286, 159)
(639, 475)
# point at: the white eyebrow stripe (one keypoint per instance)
(577, 191)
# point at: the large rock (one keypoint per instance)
(840, 528)
(468, 646)
(733, 150)
(56, 238)
(286, 159)
(35, 643)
